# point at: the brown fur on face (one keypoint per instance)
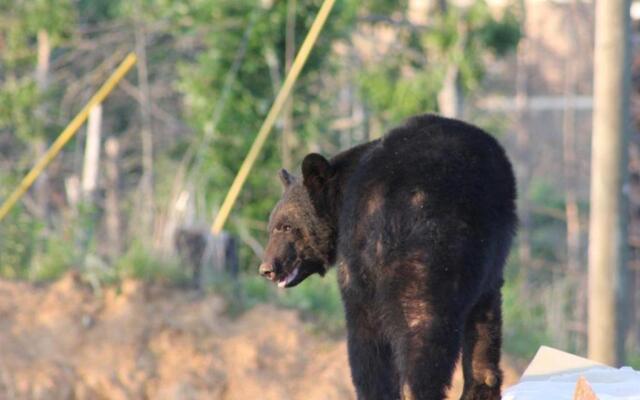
(300, 242)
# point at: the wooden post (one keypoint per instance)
(92, 154)
(220, 256)
(607, 228)
(39, 145)
(208, 257)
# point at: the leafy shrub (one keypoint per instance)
(53, 261)
(524, 324)
(140, 263)
(17, 242)
(318, 299)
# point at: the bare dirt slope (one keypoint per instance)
(62, 341)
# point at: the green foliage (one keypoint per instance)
(18, 233)
(405, 82)
(395, 102)
(503, 36)
(95, 11)
(52, 261)
(633, 359)
(384, 7)
(409, 82)
(524, 322)
(26, 254)
(56, 17)
(548, 231)
(260, 74)
(317, 299)
(21, 102)
(140, 263)
(18, 103)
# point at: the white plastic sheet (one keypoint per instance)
(553, 374)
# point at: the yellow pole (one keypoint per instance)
(67, 133)
(265, 129)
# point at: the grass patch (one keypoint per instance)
(317, 299)
(524, 324)
(139, 263)
(56, 258)
(633, 359)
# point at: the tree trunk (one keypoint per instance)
(576, 271)
(450, 96)
(523, 167)
(287, 113)
(572, 212)
(418, 12)
(147, 203)
(41, 188)
(112, 201)
(375, 127)
(607, 226)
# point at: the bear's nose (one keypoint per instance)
(266, 270)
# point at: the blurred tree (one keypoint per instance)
(258, 79)
(29, 31)
(607, 226)
(435, 65)
(23, 92)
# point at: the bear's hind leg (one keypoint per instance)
(481, 350)
(427, 358)
(370, 357)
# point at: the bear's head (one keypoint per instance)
(301, 236)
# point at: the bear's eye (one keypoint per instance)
(283, 228)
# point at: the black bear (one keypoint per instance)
(419, 223)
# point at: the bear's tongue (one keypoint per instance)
(288, 279)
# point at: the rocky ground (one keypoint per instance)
(64, 341)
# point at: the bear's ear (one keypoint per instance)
(286, 178)
(316, 170)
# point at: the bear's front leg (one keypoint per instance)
(370, 356)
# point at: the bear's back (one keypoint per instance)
(429, 178)
(453, 163)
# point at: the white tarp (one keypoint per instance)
(553, 375)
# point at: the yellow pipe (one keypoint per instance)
(67, 134)
(265, 129)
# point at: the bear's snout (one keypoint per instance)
(266, 269)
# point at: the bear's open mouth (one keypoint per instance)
(290, 277)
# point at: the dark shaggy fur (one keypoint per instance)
(420, 223)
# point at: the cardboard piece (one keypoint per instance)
(549, 361)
